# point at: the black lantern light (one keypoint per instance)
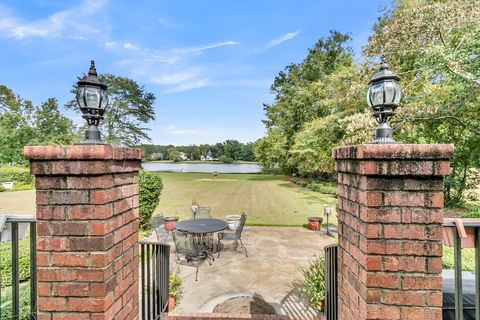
(383, 96)
(92, 100)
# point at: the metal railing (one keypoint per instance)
(154, 263)
(331, 284)
(12, 230)
(467, 231)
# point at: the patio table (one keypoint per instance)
(201, 228)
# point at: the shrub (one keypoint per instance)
(225, 159)
(468, 259)
(175, 285)
(2, 188)
(6, 302)
(313, 287)
(150, 188)
(19, 175)
(6, 261)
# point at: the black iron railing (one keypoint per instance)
(12, 230)
(331, 296)
(470, 230)
(154, 262)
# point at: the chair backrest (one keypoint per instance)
(203, 212)
(157, 221)
(184, 244)
(239, 230)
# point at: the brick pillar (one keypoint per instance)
(390, 230)
(87, 211)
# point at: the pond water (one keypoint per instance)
(202, 167)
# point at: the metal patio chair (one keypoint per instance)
(234, 235)
(188, 252)
(157, 223)
(203, 213)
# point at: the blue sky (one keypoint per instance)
(210, 63)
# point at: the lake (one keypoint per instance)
(203, 167)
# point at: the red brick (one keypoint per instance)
(105, 196)
(421, 313)
(382, 280)
(70, 259)
(404, 199)
(69, 228)
(52, 304)
(65, 289)
(70, 316)
(50, 212)
(403, 298)
(424, 282)
(89, 212)
(90, 182)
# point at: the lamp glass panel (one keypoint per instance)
(376, 94)
(80, 95)
(92, 96)
(390, 91)
(398, 94)
(104, 101)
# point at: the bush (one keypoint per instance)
(150, 188)
(6, 261)
(468, 259)
(2, 188)
(225, 159)
(6, 302)
(20, 175)
(313, 287)
(175, 285)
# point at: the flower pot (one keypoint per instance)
(7, 185)
(315, 223)
(169, 223)
(171, 303)
(233, 221)
(322, 305)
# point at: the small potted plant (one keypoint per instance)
(315, 223)
(313, 287)
(170, 222)
(174, 290)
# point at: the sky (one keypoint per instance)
(210, 63)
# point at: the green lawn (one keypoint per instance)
(266, 199)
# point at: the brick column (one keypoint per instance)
(390, 230)
(87, 211)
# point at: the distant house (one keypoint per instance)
(184, 156)
(208, 158)
(157, 156)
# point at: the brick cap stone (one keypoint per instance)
(394, 151)
(82, 152)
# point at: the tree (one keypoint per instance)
(51, 127)
(232, 149)
(175, 156)
(130, 108)
(15, 126)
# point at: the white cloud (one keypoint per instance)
(175, 78)
(130, 46)
(282, 39)
(166, 23)
(198, 49)
(172, 129)
(67, 23)
(200, 83)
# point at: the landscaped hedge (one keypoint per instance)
(150, 189)
(322, 187)
(20, 175)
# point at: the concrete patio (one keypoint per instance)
(270, 272)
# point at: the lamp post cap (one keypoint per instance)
(92, 78)
(384, 73)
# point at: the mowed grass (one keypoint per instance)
(266, 199)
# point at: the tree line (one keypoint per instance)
(320, 102)
(227, 152)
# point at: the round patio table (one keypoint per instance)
(201, 226)
(202, 230)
